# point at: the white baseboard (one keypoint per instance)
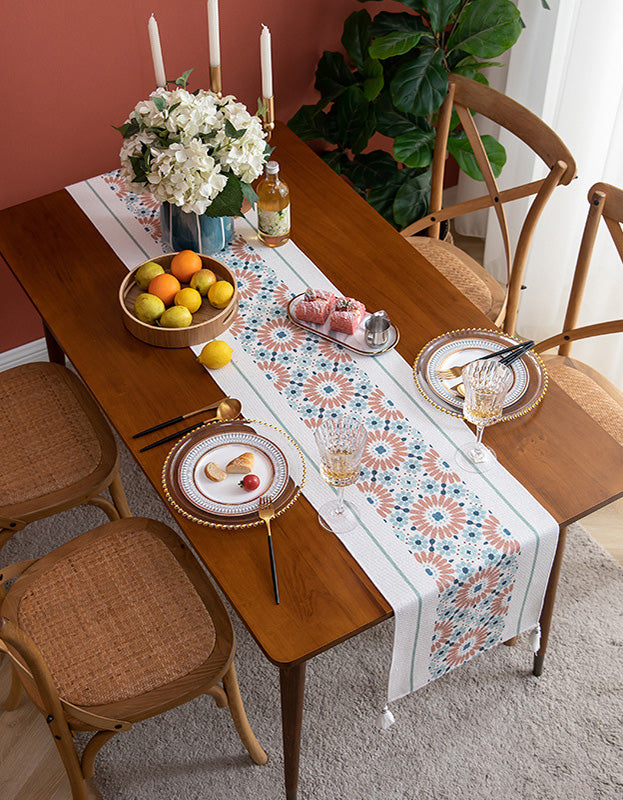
(32, 351)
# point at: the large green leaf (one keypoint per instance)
(373, 79)
(308, 123)
(381, 198)
(487, 28)
(392, 22)
(355, 118)
(420, 85)
(461, 149)
(440, 12)
(333, 76)
(415, 149)
(229, 201)
(394, 44)
(411, 201)
(337, 160)
(390, 121)
(370, 170)
(356, 36)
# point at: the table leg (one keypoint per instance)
(548, 603)
(292, 682)
(55, 351)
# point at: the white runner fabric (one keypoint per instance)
(462, 559)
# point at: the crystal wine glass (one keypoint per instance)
(486, 385)
(340, 442)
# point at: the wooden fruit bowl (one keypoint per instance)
(207, 324)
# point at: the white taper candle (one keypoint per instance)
(266, 63)
(156, 52)
(213, 33)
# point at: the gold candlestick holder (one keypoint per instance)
(269, 119)
(215, 80)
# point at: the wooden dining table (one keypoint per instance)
(567, 462)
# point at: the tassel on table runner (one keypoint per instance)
(385, 719)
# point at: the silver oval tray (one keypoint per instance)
(356, 342)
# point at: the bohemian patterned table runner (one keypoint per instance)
(462, 559)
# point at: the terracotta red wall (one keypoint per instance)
(72, 69)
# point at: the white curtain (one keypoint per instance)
(567, 67)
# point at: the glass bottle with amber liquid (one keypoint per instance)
(273, 207)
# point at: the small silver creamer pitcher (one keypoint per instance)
(377, 329)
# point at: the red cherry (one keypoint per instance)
(250, 482)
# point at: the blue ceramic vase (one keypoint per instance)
(184, 230)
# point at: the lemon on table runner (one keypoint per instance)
(189, 298)
(220, 293)
(215, 354)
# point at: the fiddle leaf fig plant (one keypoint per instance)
(393, 82)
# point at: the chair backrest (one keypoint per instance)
(605, 202)
(466, 96)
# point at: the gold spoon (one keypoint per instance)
(227, 409)
(460, 389)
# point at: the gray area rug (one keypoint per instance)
(487, 731)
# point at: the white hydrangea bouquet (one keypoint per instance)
(195, 150)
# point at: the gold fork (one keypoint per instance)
(267, 512)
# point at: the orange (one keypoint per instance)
(165, 287)
(185, 264)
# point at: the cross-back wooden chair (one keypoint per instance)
(114, 627)
(465, 96)
(600, 398)
(57, 449)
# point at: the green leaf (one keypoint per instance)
(232, 132)
(461, 149)
(333, 76)
(138, 165)
(310, 122)
(183, 79)
(381, 198)
(440, 12)
(373, 78)
(229, 202)
(355, 119)
(371, 170)
(544, 4)
(391, 22)
(128, 128)
(390, 121)
(356, 36)
(336, 159)
(249, 192)
(415, 149)
(420, 85)
(412, 199)
(394, 44)
(487, 28)
(160, 103)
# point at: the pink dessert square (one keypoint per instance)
(315, 306)
(347, 315)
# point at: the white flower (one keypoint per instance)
(184, 151)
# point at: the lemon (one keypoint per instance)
(215, 354)
(189, 298)
(145, 273)
(220, 293)
(176, 317)
(148, 308)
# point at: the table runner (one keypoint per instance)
(462, 559)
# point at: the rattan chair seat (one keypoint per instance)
(588, 394)
(454, 269)
(107, 619)
(49, 441)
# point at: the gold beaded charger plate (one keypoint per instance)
(278, 463)
(460, 347)
(355, 342)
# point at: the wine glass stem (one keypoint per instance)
(479, 450)
(340, 500)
